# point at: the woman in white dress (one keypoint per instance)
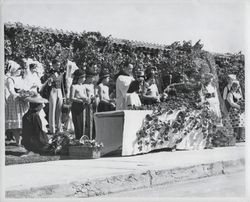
(209, 93)
(15, 106)
(33, 83)
(152, 95)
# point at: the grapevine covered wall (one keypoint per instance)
(184, 62)
(181, 60)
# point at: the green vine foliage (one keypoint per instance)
(184, 61)
(44, 44)
(178, 59)
(230, 64)
(155, 132)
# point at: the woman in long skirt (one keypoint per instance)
(236, 115)
(15, 106)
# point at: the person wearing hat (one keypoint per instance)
(34, 137)
(236, 111)
(78, 96)
(105, 104)
(92, 97)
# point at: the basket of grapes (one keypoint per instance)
(85, 148)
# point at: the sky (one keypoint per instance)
(219, 24)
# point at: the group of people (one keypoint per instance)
(36, 104)
(133, 92)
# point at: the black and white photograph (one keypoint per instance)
(124, 100)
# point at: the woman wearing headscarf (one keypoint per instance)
(230, 79)
(15, 105)
(236, 111)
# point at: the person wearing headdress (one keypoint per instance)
(92, 103)
(15, 105)
(123, 80)
(230, 79)
(34, 137)
(105, 104)
(79, 99)
(236, 111)
(32, 79)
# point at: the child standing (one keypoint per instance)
(79, 99)
(105, 104)
(92, 96)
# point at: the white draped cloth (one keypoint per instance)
(122, 85)
(132, 99)
(214, 102)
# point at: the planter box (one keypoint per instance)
(83, 152)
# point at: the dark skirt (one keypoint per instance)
(234, 115)
(37, 144)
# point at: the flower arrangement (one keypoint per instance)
(25, 93)
(97, 146)
(85, 148)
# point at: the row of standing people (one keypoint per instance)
(133, 92)
(88, 98)
(20, 81)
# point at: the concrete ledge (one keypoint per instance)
(125, 182)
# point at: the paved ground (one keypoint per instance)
(230, 185)
(19, 155)
(59, 177)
